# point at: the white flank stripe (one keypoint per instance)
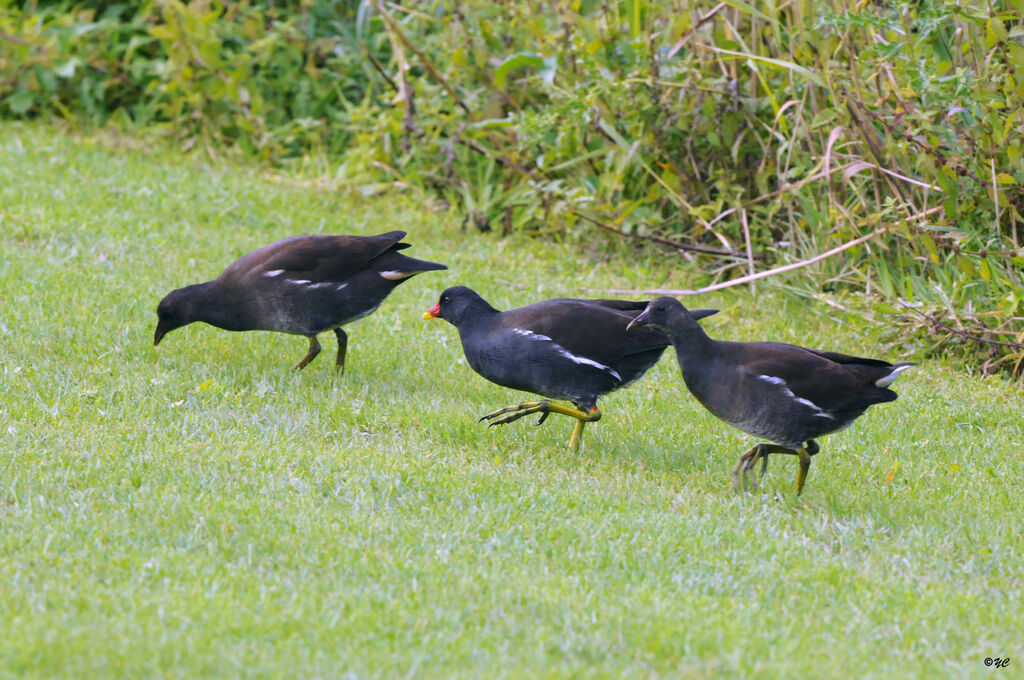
(320, 285)
(589, 362)
(888, 380)
(273, 272)
(298, 281)
(530, 334)
(775, 380)
(341, 286)
(526, 333)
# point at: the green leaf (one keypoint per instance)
(929, 245)
(750, 9)
(995, 25)
(779, 63)
(67, 69)
(547, 67)
(966, 266)
(20, 102)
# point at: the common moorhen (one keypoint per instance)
(302, 285)
(781, 392)
(576, 350)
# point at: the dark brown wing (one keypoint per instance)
(834, 382)
(849, 359)
(314, 258)
(587, 328)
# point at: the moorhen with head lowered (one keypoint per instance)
(576, 350)
(785, 393)
(302, 285)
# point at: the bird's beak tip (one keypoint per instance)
(637, 322)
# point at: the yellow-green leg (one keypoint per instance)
(805, 465)
(512, 413)
(577, 436)
(314, 349)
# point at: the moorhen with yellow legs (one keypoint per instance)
(785, 393)
(575, 350)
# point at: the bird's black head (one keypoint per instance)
(177, 309)
(664, 313)
(458, 305)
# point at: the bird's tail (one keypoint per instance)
(893, 374)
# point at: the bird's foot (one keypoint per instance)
(508, 414)
(514, 412)
(746, 463)
(743, 464)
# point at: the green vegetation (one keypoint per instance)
(198, 510)
(750, 136)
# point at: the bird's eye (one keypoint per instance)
(445, 300)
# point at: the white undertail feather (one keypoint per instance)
(888, 380)
(395, 275)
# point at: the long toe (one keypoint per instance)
(508, 414)
(743, 463)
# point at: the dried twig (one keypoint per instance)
(659, 239)
(700, 22)
(750, 251)
(380, 69)
(935, 323)
(397, 32)
(752, 277)
(874, 144)
(501, 160)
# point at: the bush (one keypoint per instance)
(889, 135)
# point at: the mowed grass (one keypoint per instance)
(199, 509)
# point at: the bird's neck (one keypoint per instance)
(479, 320)
(211, 303)
(692, 344)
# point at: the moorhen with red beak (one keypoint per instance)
(575, 350)
(785, 393)
(303, 285)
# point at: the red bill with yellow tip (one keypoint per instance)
(433, 311)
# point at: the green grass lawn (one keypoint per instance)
(199, 509)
